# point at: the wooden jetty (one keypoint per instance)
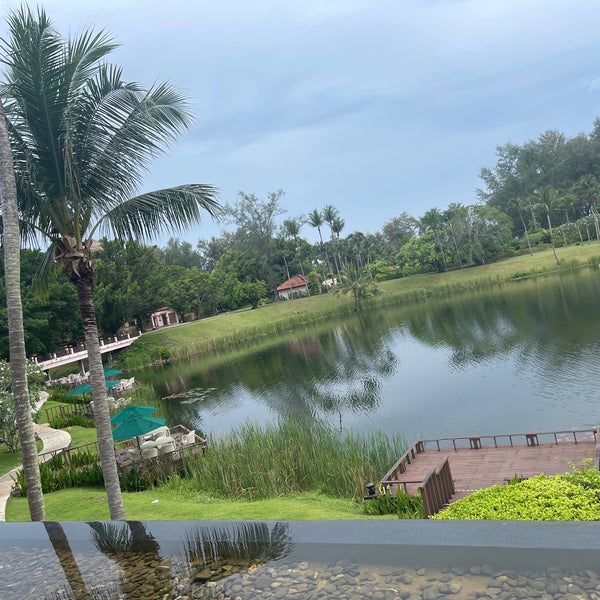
(446, 469)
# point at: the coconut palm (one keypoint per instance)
(546, 197)
(16, 334)
(353, 282)
(433, 220)
(82, 140)
(315, 219)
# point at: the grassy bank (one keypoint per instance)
(291, 468)
(167, 504)
(227, 332)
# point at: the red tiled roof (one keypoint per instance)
(293, 282)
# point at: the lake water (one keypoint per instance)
(523, 357)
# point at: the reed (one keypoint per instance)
(258, 462)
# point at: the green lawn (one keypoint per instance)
(163, 504)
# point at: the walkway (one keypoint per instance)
(477, 465)
(71, 355)
(53, 440)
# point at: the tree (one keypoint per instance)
(291, 229)
(433, 220)
(316, 220)
(256, 227)
(82, 139)
(16, 334)
(546, 197)
(9, 431)
(356, 284)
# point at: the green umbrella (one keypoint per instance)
(128, 411)
(109, 372)
(86, 388)
(136, 425)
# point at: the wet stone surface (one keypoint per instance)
(50, 575)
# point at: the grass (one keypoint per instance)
(254, 462)
(79, 435)
(226, 332)
(167, 504)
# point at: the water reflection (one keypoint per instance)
(117, 560)
(523, 356)
(202, 560)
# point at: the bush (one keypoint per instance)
(570, 497)
(404, 505)
(70, 420)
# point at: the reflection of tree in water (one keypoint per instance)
(137, 553)
(214, 553)
(538, 318)
(209, 555)
(340, 369)
(77, 587)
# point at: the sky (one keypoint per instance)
(377, 107)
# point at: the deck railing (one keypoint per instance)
(509, 439)
(63, 411)
(437, 488)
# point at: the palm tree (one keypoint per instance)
(82, 140)
(434, 220)
(353, 282)
(291, 229)
(332, 217)
(16, 334)
(546, 197)
(315, 219)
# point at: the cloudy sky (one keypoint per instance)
(374, 106)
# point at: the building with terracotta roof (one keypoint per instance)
(295, 285)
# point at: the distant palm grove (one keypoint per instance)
(543, 193)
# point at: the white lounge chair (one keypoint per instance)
(189, 438)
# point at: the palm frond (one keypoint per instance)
(41, 281)
(142, 218)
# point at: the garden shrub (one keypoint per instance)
(569, 497)
(404, 505)
(70, 420)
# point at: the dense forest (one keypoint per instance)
(542, 193)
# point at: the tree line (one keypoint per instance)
(541, 193)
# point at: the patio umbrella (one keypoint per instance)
(128, 411)
(86, 388)
(109, 372)
(136, 425)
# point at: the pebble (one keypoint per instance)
(62, 574)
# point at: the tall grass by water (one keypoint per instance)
(258, 462)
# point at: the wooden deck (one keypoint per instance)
(477, 462)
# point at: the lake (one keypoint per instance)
(522, 357)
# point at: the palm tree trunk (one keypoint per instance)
(551, 234)
(16, 335)
(101, 410)
(64, 553)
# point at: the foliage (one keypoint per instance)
(81, 469)
(570, 497)
(70, 420)
(403, 505)
(360, 286)
(9, 434)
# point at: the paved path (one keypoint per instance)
(53, 440)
